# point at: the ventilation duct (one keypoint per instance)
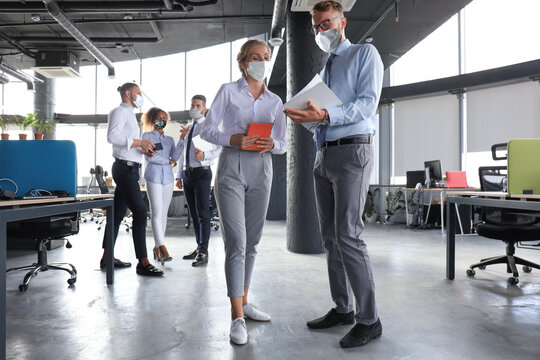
(307, 5)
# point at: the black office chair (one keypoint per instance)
(43, 230)
(508, 225)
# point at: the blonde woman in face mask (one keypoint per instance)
(244, 177)
(159, 175)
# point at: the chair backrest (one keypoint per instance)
(523, 166)
(456, 179)
(493, 178)
(99, 178)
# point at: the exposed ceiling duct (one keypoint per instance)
(55, 11)
(19, 75)
(278, 22)
(18, 46)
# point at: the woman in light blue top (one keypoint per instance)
(159, 175)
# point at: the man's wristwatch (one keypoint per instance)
(326, 118)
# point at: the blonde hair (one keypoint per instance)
(244, 50)
(148, 118)
(323, 6)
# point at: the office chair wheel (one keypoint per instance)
(513, 280)
(72, 281)
(216, 228)
(470, 272)
(23, 287)
(527, 269)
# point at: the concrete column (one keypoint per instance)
(45, 101)
(304, 60)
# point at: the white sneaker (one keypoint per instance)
(239, 334)
(252, 313)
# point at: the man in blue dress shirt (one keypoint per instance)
(343, 165)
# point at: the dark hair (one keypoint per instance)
(148, 118)
(126, 87)
(199, 97)
(323, 6)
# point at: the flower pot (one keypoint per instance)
(388, 219)
(5, 136)
(38, 136)
(22, 136)
(412, 219)
(373, 218)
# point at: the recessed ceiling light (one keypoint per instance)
(125, 51)
(128, 17)
(118, 45)
(35, 17)
(369, 39)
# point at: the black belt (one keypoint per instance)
(358, 139)
(129, 163)
(196, 168)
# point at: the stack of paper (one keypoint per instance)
(319, 94)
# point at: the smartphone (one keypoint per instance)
(158, 146)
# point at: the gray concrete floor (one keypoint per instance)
(185, 315)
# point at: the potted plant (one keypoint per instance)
(3, 126)
(394, 202)
(25, 122)
(413, 198)
(370, 213)
(43, 126)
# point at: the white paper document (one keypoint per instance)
(318, 93)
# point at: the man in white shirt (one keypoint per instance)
(123, 134)
(195, 176)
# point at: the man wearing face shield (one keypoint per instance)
(342, 169)
(123, 134)
(195, 176)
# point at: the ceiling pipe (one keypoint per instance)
(19, 75)
(161, 19)
(18, 46)
(105, 40)
(278, 22)
(55, 11)
(106, 7)
(3, 79)
(168, 4)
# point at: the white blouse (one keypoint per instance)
(234, 108)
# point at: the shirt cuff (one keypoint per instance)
(335, 114)
(224, 139)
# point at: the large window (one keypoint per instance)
(163, 82)
(77, 95)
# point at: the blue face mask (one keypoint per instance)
(160, 124)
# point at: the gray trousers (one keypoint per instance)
(242, 191)
(341, 176)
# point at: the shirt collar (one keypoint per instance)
(126, 105)
(342, 47)
(155, 132)
(242, 84)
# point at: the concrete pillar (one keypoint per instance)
(304, 60)
(45, 102)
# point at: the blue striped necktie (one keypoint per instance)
(321, 130)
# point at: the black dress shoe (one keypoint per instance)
(200, 260)
(117, 264)
(148, 270)
(333, 318)
(192, 255)
(361, 334)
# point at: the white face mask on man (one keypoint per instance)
(139, 101)
(258, 69)
(195, 113)
(328, 40)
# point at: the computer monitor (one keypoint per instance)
(433, 171)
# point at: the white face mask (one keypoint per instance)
(195, 113)
(328, 40)
(258, 69)
(139, 101)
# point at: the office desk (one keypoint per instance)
(479, 198)
(442, 196)
(15, 210)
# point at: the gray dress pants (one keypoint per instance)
(342, 176)
(242, 190)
